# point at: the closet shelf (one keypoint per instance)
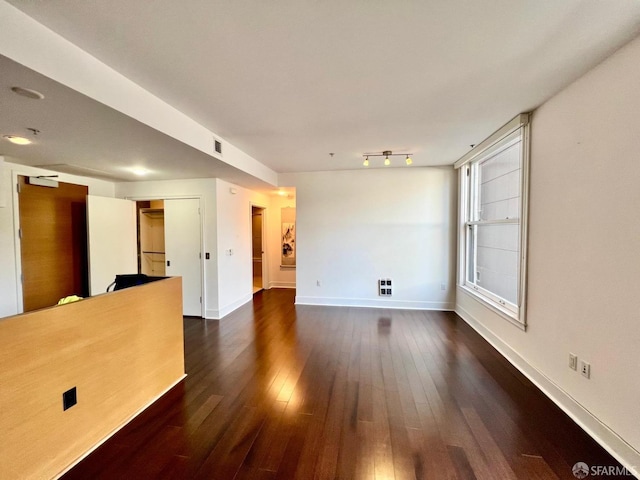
(153, 212)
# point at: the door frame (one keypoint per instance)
(16, 240)
(203, 289)
(28, 171)
(265, 245)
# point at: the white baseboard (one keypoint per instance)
(628, 456)
(227, 309)
(374, 303)
(117, 429)
(282, 284)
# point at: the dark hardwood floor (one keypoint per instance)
(276, 391)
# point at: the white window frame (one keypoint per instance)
(517, 127)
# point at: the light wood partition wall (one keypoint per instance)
(121, 350)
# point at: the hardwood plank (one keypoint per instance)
(464, 469)
(330, 445)
(382, 449)
(499, 464)
(436, 460)
(176, 468)
(365, 459)
(302, 450)
(535, 468)
(226, 458)
(348, 446)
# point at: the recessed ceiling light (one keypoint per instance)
(17, 140)
(139, 171)
(27, 92)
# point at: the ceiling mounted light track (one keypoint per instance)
(386, 154)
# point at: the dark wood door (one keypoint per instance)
(53, 224)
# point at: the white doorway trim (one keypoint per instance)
(265, 245)
(16, 239)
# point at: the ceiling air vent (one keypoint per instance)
(217, 146)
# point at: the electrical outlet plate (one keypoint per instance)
(69, 398)
(573, 361)
(585, 369)
(384, 287)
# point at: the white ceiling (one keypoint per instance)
(290, 81)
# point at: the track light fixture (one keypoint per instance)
(386, 154)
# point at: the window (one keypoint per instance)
(493, 202)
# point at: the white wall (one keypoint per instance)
(584, 255)
(278, 277)
(10, 268)
(235, 271)
(354, 227)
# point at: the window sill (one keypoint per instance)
(511, 317)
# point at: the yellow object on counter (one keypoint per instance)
(69, 299)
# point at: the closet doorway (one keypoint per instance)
(169, 244)
(257, 247)
(151, 250)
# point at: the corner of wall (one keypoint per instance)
(212, 314)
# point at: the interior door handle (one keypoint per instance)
(168, 263)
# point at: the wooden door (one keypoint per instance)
(53, 243)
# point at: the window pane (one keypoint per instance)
(497, 253)
(499, 185)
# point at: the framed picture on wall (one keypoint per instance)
(288, 238)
